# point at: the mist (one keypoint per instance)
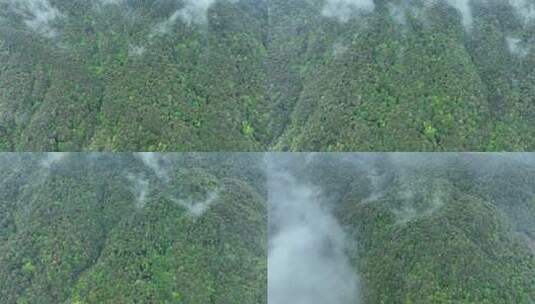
(193, 12)
(524, 8)
(397, 12)
(463, 6)
(38, 15)
(153, 161)
(343, 10)
(136, 51)
(53, 158)
(158, 163)
(516, 46)
(140, 187)
(307, 262)
(197, 208)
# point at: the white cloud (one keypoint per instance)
(397, 13)
(307, 261)
(136, 51)
(196, 208)
(193, 12)
(516, 46)
(153, 160)
(141, 189)
(38, 15)
(524, 8)
(53, 158)
(464, 8)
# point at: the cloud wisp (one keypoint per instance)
(464, 8)
(197, 208)
(140, 187)
(38, 15)
(192, 12)
(525, 8)
(153, 161)
(53, 158)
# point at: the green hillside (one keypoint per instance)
(434, 228)
(249, 75)
(102, 228)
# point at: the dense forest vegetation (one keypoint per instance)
(448, 228)
(249, 75)
(132, 228)
(193, 228)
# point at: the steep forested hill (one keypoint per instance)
(102, 228)
(433, 228)
(182, 75)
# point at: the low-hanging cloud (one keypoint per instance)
(153, 161)
(53, 158)
(343, 10)
(136, 50)
(525, 8)
(464, 8)
(400, 11)
(397, 12)
(157, 163)
(192, 12)
(140, 186)
(307, 262)
(38, 15)
(197, 208)
(516, 46)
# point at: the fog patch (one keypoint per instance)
(165, 27)
(307, 261)
(154, 162)
(343, 10)
(339, 50)
(516, 46)
(53, 158)
(140, 188)
(192, 12)
(136, 51)
(408, 212)
(195, 11)
(197, 208)
(464, 8)
(377, 186)
(397, 13)
(38, 15)
(530, 241)
(524, 8)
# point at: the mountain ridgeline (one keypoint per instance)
(249, 75)
(132, 228)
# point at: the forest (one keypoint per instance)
(132, 228)
(401, 228)
(258, 228)
(258, 75)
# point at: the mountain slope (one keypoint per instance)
(98, 228)
(410, 77)
(249, 75)
(450, 228)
